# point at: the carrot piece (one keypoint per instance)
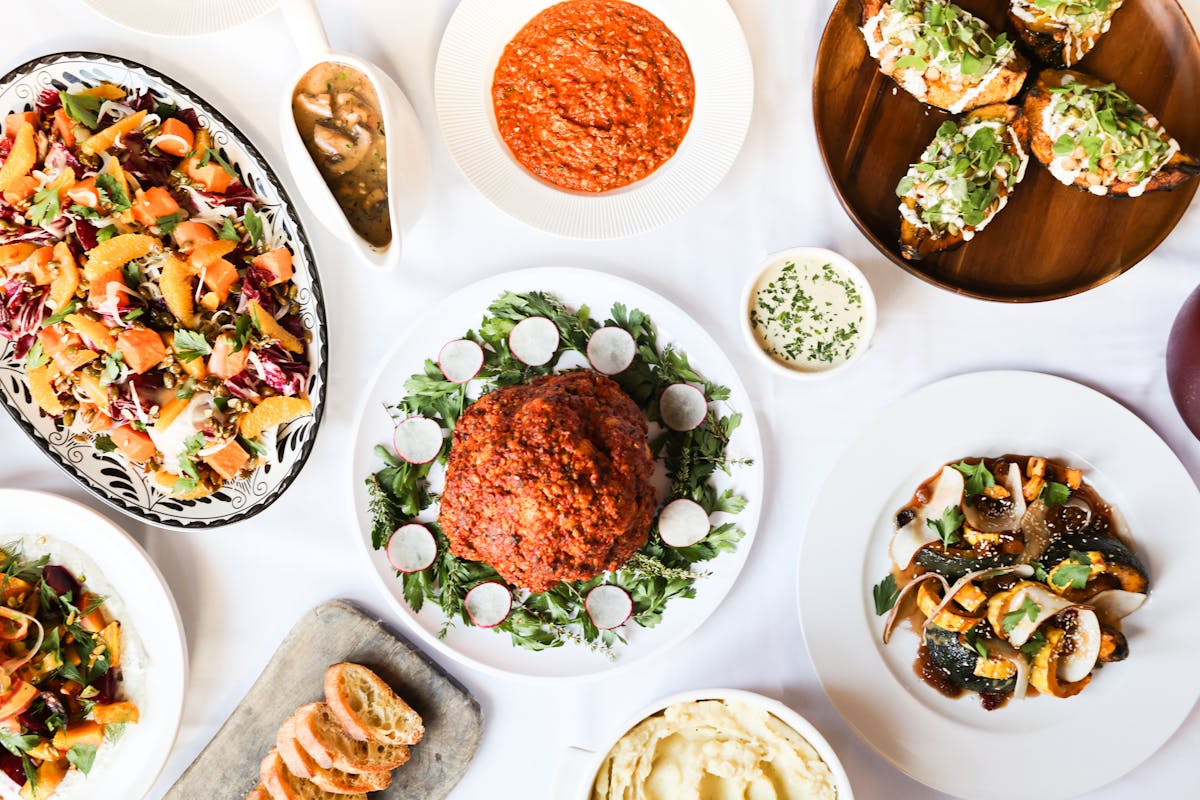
(212, 177)
(220, 277)
(134, 444)
(39, 265)
(84, 193)
(98, 291)
(65, 347)
(105, 139)
(21, 157)
(64, 126)
(229, 460)
(49, 775)
(142, 349)
(15, 253)
(14, 121)
(278, 262)
(225, 362)
(189, 233)
(86, 732)
(178, 138)
(150, 205)
(21, 190)
(97, 421)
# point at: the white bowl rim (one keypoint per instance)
(870, 309)
(793, 719)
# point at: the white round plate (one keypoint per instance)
(471, 47)
(135, 762)
(1051, 748)
(450, 319)
(181, 17)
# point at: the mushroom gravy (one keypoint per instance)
(337, 114)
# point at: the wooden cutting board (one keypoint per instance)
(333, 632)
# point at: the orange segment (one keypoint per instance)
(15, 253)
(273, 411)
(66, 278)
(42, 389)
(104, 139)
(170, 412)
(176, 286)
(20, 159)
(269, 326)
(117, 252)
(210, 252)
(105, 91)
(167, 481)
(93, 330)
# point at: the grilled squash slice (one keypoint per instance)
(1093, 136)
(963, 179)
(942, 54)
(1062, 32)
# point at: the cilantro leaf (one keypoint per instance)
(190, 345)
(885, 593)
(1032, 647)
(45, 206)
(978, 476)
(106, 233)
(948, 525)
(1028, 608)
(972, 640)
(104, 444)
(112, 192)
(1055, 494)
(166, 225)
(228, 233)
(1073, 573)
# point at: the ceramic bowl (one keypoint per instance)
(808, 253)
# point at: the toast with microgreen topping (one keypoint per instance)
(942, 54)
(1093, 136)
(1061, 32)
(962, 180)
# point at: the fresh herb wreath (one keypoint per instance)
(400, 492)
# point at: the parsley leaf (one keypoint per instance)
(978, 476)
(82, 756)
(112, 192)
(183, 485)
(254, 225)
(1072, 573)
(166, 225)
(83, 108)
(186, 389)
(1028, 608)
(1034, 645)
(885, 593)
(251, 446)
(228, 233)
(948, 525)
(84, 212)
(1055, 494)
(60, 315)
(45, 206)
(111, 367)
(241, 332)
(106, 233)
(190, 345)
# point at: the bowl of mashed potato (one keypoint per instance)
(709, 745)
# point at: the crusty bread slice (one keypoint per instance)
(368, 708)
(259, 793)
(283, 785)
(323, 738)
(301, 764)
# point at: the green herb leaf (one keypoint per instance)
(36, 357)
(978, 477)
(254, 226)
(911, 62)
(1065, 145)
(1032, 647)
(82, 756)
(61, 314)
(166, 225)
(973, 641)
(45, 206)
(112, 192)
(885, 593)
(1055, 494)
(190, 345)
(1028, 608)
(228, 233)
(15, 743)
(1073, 573)
(83, 108)
(106, 233)
(104, 444)
(948, 525)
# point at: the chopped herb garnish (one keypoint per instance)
(1072, 573)
(978, 477)
(1055, 494)
(885, 593)
(190, 345)
(1028, 609)
(948, 526)
(112, 192)
(166, 225)
(254, 226)
(45, 206)
(228, 233)
(104, 444)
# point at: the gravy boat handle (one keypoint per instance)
(304, 22)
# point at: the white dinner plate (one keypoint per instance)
(181, 17)
(1040, 747)
(449, 320)
(129, 770)
(712, 36)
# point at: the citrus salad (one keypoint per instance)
(145, 287)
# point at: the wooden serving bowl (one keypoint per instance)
(1051, 240)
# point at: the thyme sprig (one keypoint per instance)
(400, 492)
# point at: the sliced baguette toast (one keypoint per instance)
(1080, 151)
(369, 710)
(1064, 33)
(283, 785)
(963, 180)
(905, 37)
(325, 740)
(301, 764)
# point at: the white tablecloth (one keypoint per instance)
(241, 588)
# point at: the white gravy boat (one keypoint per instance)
(407, 158)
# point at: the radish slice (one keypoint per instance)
(533, 340)
(488, 604)
(608, 606)
(460, 360)
(1117, 603)
(682, 407)
(611, 350)
(682, 523)
(1079, 662)
(418, 440)
(411, 548)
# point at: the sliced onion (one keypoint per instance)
(1010, 653)
(1079, 663)
(947, 492)
(890, 623)
(1010, 521)
(1115, 604)
(1024, 570)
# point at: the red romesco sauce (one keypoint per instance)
(593, 95)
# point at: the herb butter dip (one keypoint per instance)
(809, 312)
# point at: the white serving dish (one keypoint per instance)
(870, 312)
(407, 157)
(577, 770)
